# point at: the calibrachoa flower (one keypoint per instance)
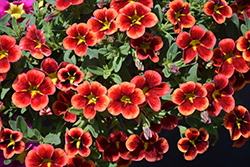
(79, 38)
(153, 88)
(35, 43)
(45, 111)
(238, 123)
(146, 46)
(152, 148)
(239, 80)
(134, 17)
(125, 99)
(16, 8)
(69, 77)
(9, 52)
(179, 15)
(103, 23)
(45, 156)
(197, 41)
(190, 96)
(3, 76)
(219, 94)
(50, 68)
(63, 105)
(79, 161)
(241, 6)
(218, 9)
(240, 142)
(114, 147)
(195, 142)
(77, 141)
(64, 4)
(91, 98)
(119, 4)
(228, 58)
(11, 142)
(243, 44)
(32, 88)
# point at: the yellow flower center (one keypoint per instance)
(146, 145)
(106, 25)
(92, 98)
(215, 94)
(135, 19)
(193, 142)
(125, 99)
(48, 161)
(81, 39)
(217, 8)
(194, 43)
(190, 97)
(117, 143)
(71, 78)
(145, 89)
(39, 44)
(16, 11)
(34, 90)
(145, 46)
(77, 140)
(11, 143)
(3, 53)
(53, 77)
(238, 121)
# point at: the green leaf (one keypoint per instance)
(4, 92)
(235, 20)
(193, 73)
(158, 11)
(172, 52)
(12, 124)
(92, 131)
(21, 125)
(247, 21)
(116, 78)
(23, 110)
(182, 130)
(76, 111)
(37, 134)
(93, 53)
(85, 10)
(52, 139)
(243, 29)
(5, 19)
(32, 20)
(53, 2)
(95, 70)
(117, 63)
(103, 51)
(124, 49)
(166, 72)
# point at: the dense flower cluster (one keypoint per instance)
(75, 74)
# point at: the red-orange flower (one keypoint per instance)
(3, 76)
(228, 58)
(218, 9)
(114, 147)
(151, 148)
(179, 15)
(32, 88)
(238, 123)
(146, 46)
(79, 38)
(35, 43)
(219, 94)
(9, 52)
(241, 6)
(45, 156)
(243, 45)
(69, 77)
(190, 96)
(77, 141)
(195, 142)
(197, 41)
(64, 4)
(119, 4)
(91, 98)
(134, 17)
(79, 161)
(153, 88)
(239, 80)
(125, 99)
(11, 142)
(103, 23)
(63, 105)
